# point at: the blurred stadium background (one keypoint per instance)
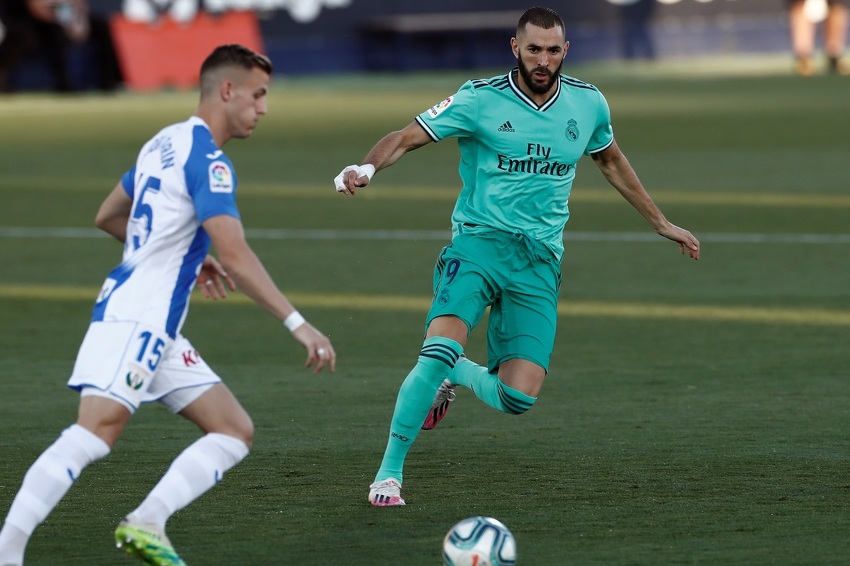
(329, 36)
(696, 412)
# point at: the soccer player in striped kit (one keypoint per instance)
(168, 209)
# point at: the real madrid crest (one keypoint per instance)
(572, 132)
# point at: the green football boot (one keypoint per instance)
(148, 543)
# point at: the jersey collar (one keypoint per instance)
(196, 120)
(522, 96)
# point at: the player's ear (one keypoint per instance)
(225, 89)
(515, 47)
(566, 48)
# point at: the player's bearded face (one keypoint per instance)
(535, 85)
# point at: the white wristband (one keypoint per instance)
(367, 170)
(293, 321)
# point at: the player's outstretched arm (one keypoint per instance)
(114, 212)
(387, 151)
(619, 172)
(244, 267)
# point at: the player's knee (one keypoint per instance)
(103, 417)
(244, 431)
(239, 426)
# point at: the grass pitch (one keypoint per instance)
(695, 413)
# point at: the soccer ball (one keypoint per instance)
(479, 541)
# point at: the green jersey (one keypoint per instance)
(518, 159)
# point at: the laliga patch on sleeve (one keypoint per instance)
(221, 177)
(437, 109)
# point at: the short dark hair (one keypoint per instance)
(234, 55)
(545, 18)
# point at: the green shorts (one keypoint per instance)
(517, 278)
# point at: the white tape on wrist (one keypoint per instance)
(294, 321)
(367, 170)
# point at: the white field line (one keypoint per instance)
(440, 235)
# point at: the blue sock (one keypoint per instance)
(436, 360)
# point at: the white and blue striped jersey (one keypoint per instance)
(180, 179)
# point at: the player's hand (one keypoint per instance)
(212, 278)
(687, 242)
(319, 349)
(353, 177)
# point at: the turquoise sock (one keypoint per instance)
(489, 388)
(436, 360)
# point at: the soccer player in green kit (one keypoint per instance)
(520, 136)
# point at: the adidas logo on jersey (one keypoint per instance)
(506, 127)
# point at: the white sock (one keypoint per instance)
(47, 481)
(13, 542)
(197, 469)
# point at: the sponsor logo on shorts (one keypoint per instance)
(136, 377)
(134, 380)
(191, 358)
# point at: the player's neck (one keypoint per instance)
(217, 124)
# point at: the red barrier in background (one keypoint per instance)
(170, 53)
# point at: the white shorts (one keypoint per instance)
(132, 364)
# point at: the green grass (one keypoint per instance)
(672, 429)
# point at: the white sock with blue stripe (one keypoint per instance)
(196, 470)
(45, 483)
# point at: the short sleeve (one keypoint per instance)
(456, 116)
(128, 182)
(210, 179)
(603, 133)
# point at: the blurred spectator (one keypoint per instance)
(152, 10)
(49, 28)
(635, 23)
(803, 15)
